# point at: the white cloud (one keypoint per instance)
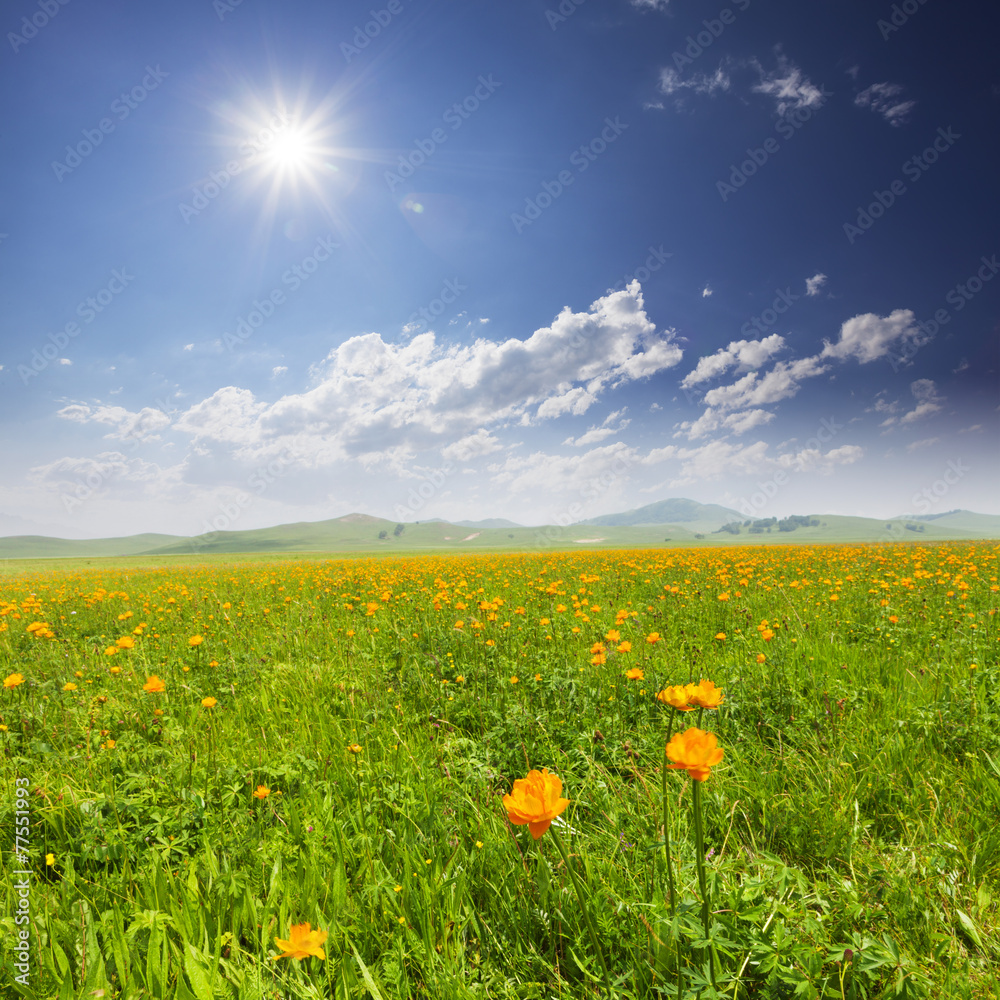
(65, 361)
(372, 398)
(781, 382)
(671, 82)
(125, 423)
(471, 446)
(923, 443)
(595, 434)
(744, 354)
(789, 86)
(867, 337)
(928, 401)
(278, 370)
(706, 291)
(815, 283)
(881, 98)
(813, 460)
(651, 4)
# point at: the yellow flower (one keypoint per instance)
(675, 695)
(111, 650)
(13, 680)
(115, 670)
(761, 658)
(157, 712)
(354, 747)
(514, 680)
(635, 674)
(154, 685)
(208, 702)
(653, 638)
(460, 679)
(625, 647)
(50, 859)
(704, 695)
(695, 751)
(110, 744)
(303, 942)
(262, 792)
(69, 686)
(3, 728)
(126, 642)
(535, 800)
(721, 636)
(196, 640)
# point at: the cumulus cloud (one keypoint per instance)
(815, 283)
(882, 98)
(923, 443)
(471, 446)
(741, 354)
(868, 336)
(928, 401)
(374, 398)
(781, 382)
(595, 434)
(124, 423)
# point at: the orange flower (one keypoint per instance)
(126, 642)
(196, 640)
(761, 658)
(154, 685)
(653, 638)
(303, 942)
(69, 686)
(694, 751)
(208, 702)
(625, 647)
(13, 680)
(705, 694)
(676, 696)
(262, 792)
(635, 674)
(535, 800)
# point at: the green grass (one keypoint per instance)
(855, 809)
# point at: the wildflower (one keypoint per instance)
(676, 696)
(721, 636)
(514, 680)
(303, 942)
(154, 685)
(157, 712)
(535, 800)
(653, 638)
(208, 703)
(3, 728)
(115, 670)
(460, 679)
(69, 686)
(196, 640)
(110, 744)
(13, 680)
(767, 634)
(479, 845)
(126, 642)
(695, 751)
(761, 658)
(262, 792)
(704, 695)
(635, 674)
(111, 650)
(355, 747)
(625, 647)
(538, 677)
(50, 859)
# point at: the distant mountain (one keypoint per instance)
(489, 523)
(676, 511)
(41, 546)
(961, 520)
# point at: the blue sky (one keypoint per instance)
(269, 262)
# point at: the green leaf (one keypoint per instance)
(970, 928)
(194, 966)
(367, 976)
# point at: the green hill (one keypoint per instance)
(676, 511)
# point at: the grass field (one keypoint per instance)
(210, 753)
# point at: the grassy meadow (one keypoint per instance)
(217, 751)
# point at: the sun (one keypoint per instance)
(292, 151)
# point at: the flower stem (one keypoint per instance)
(699, 836)
(666, 852)
(583, 904)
